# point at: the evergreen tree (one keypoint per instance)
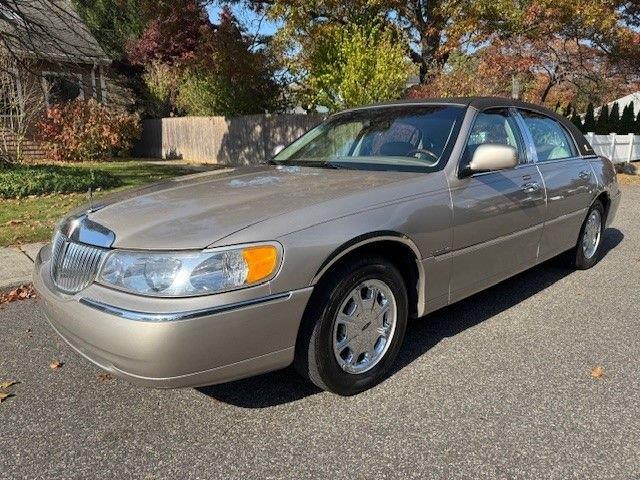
(602, 124)
(577, 121)
(557, 108)
(589, 124)
(627, 121)
(614, 118)
(636, 128)
(568, 110)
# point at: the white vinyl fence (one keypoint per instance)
(618, 148)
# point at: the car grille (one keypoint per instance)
(74, 265)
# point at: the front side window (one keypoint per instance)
(495, 126)
(551, 140)
(395, 136)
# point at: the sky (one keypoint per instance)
(252, 22)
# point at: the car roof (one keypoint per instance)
(481, 103)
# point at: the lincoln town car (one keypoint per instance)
(320, 256)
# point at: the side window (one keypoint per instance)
(551, 140)
(493, 126)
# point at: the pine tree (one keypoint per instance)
(557, 107)
(627, 120)
(602, 123)
(614, 118)
(568, 110)
(589, 124)
(636, 128)
(577, 121)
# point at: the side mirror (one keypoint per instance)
(277, 149)
(493, 156)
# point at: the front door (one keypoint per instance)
(498, 215)
(568, 178)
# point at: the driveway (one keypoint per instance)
(497, 386)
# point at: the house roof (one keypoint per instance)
(48, 30)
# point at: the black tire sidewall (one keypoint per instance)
(330, 372)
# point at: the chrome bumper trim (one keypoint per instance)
(176, 316)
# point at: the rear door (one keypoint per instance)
(498, 215)
(568, 178)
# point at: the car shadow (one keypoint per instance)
(284, 386)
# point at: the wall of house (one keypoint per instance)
(232, 141)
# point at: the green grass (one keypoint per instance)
(32, 219)
(26, 180)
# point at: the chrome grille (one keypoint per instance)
(74, 265)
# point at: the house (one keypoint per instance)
(44, 46)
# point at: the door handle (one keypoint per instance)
(530, 187)
(584, 174)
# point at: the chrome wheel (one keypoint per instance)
(592, 234)
(364, 326)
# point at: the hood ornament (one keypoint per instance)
(90, 198)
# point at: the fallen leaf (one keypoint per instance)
(4, 396)
(7, 383)
(105, 377)
(14, 222)
(23, 292)
(56, 364)
(597, 372)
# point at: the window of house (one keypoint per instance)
(62, 87)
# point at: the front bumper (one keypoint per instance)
(175, 342)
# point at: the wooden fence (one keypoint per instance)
(618, 148)
(232, 141)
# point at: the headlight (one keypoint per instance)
(180, 274)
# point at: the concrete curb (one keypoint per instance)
(16, 264)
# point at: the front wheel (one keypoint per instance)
(353, 327)
(589, 248)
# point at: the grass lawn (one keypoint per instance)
(32, 219)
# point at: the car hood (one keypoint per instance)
(195, 211)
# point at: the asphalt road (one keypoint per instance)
(498, 386)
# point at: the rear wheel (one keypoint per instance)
(589, 248)
(353, 327)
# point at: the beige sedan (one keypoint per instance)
(320, 257)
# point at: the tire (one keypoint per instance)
(318, 351)
(584, 255)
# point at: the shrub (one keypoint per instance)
(87, 130)
(21, 181)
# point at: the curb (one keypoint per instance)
(16, 265)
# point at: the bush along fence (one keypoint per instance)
(618, 148)
(240, 140)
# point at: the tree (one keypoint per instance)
(174, 36)
(354, 65)
(589, 120)
(602, 124)
(614, 118)
(114, 23)
(435, 29)
(627, 120)
(228, 76)
(22, 103)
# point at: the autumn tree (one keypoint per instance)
(354, 65)
(228, 76)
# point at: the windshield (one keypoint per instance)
(396, 136)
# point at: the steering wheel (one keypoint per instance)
(426, 151)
